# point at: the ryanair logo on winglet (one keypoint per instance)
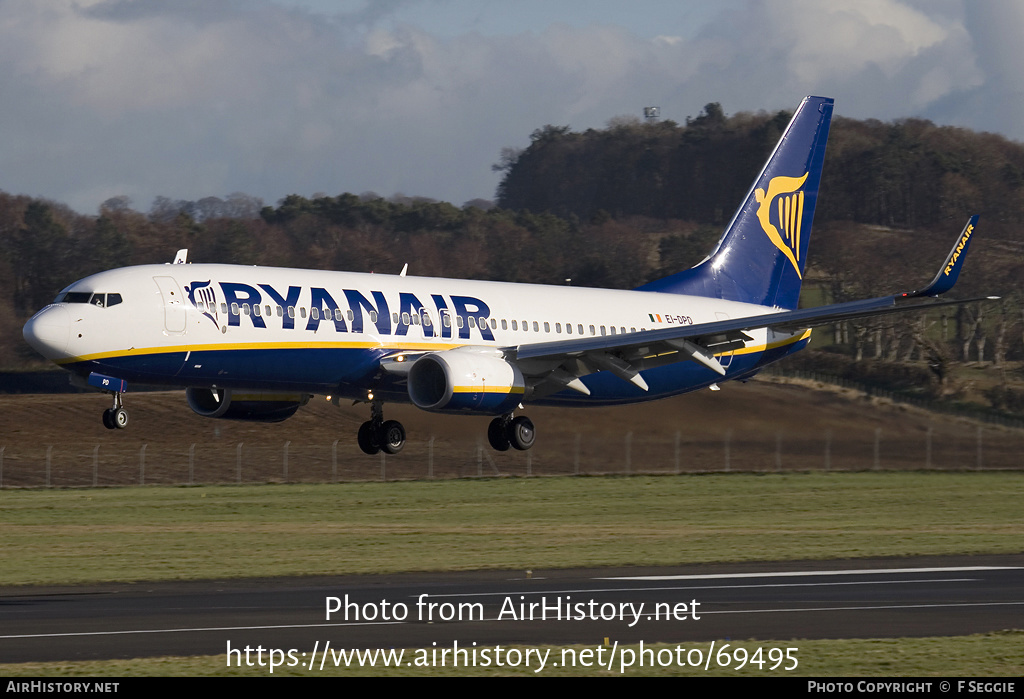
(785, 199)
(959, 249)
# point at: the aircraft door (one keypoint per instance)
(174, 305)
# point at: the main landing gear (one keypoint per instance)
(115, 418)
(376, 434)
(507, 431)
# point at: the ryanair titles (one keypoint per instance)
(348, 310)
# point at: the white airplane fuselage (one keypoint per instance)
(324, 332)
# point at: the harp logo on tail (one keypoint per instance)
(788, 210)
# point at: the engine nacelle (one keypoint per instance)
(466, 379)
(254, 406)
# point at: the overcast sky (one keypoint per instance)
(194, 98)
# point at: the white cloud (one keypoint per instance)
(190, 98)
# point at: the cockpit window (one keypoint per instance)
(101, 300)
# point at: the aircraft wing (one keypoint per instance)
(552, 366)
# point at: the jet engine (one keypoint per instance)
(254, 406)
(466, 379)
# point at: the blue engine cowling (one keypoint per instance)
(253, 406)
(466, 379)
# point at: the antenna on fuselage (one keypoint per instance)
(181, 257)
(405, 269)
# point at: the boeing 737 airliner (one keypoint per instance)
(255, 343)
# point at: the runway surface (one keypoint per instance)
(862, 598)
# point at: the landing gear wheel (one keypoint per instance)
(497, 434)
(115, 418)
(392, 437)
(520, 433)
(368, 439)
(119, 418)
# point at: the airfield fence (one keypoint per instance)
(968, 447)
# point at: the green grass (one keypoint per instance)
(982, 655)
(82, 536)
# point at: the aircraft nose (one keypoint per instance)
(48, 331)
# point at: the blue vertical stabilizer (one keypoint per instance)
(760, 258)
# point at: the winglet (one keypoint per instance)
(950, 270)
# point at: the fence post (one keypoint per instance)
(979, 448)
(878, 447)
(576, 456)
(928, 449)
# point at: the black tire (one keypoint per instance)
(392, 437)
(496, 435)
(108, 421)
(119, 418)
(521, 434)
(368, 438)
